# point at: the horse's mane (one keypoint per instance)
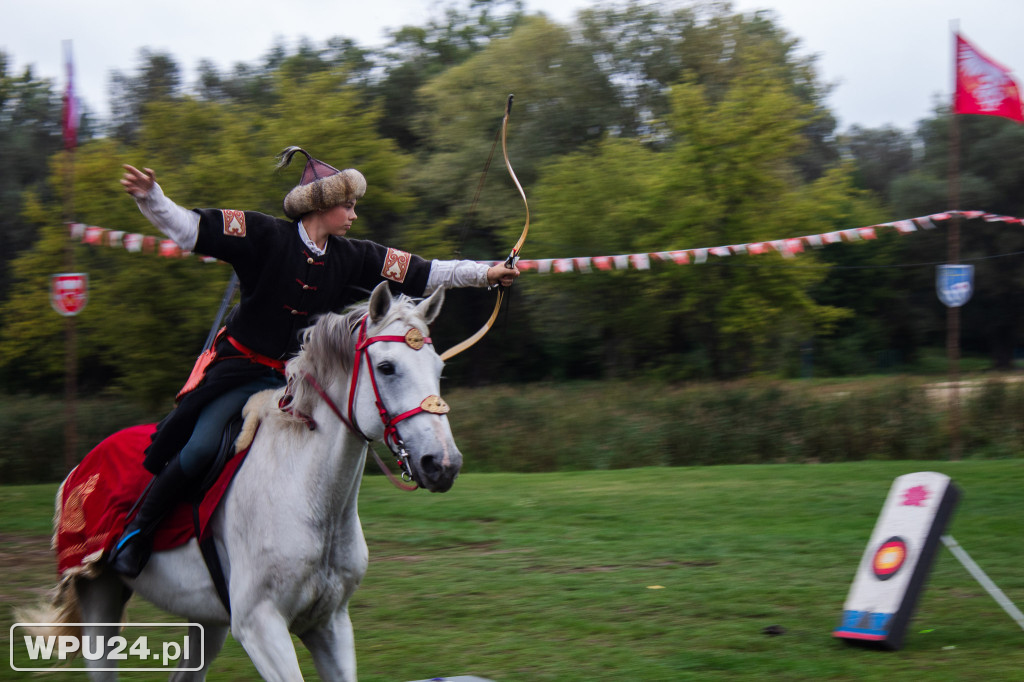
(328, 347)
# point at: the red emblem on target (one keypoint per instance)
(69, 292)
(915, 497)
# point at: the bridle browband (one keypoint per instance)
(432, 404)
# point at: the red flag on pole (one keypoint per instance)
(984, 86)
(69, 123)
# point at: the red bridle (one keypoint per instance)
(432, 404)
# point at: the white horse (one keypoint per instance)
(288, 531)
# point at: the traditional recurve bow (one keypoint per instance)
(513, 255)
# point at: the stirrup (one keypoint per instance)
(131, 554)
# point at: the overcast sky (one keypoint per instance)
(890, 60)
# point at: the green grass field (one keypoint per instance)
(641, 574)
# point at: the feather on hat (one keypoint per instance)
(322, 186)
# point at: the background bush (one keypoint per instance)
(630, 423)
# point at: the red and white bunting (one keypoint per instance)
(133, 243)
(169, 249)
(788, 247)
(93, 235)
(640, 261)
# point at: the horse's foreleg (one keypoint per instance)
(333, 648)
(213, 639)
(101, 600)
(263, 633)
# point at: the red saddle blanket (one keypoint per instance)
(99, 494)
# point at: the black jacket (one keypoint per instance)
(283, 286)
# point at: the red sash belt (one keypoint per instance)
(209, 356)
(253, 356)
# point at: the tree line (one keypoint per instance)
(637, 128)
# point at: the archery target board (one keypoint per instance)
(895, 564)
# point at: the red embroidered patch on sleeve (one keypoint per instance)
(396, 265)
(234, 223)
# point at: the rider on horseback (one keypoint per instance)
(289, 271)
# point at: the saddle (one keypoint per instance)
(237, 436)
(225, 452)
(206, 543)
(234, 441)
(97, 498)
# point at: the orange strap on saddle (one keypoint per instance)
(208, 356)
(203, 363)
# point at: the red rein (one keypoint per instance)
(432, 404)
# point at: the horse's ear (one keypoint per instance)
(431, 307)
(380, 302)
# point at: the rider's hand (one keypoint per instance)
(501, 275)
(138, 183)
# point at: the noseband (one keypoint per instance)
(432, 404)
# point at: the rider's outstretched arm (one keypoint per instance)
(177, 222)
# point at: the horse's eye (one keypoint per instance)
(386, 368)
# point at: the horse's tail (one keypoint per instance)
(51, 617)
(62, 606)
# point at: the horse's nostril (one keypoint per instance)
(438, 474)
(431, 469)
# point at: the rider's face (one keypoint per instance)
(339, 219)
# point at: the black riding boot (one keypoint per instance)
(132, 551)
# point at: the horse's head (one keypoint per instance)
(387, 386)
(398, 389)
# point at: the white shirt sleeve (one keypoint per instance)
(178, 223)
(451, 274)
(182, 226)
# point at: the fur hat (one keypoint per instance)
(322, 186)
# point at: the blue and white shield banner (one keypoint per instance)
(954, 284)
